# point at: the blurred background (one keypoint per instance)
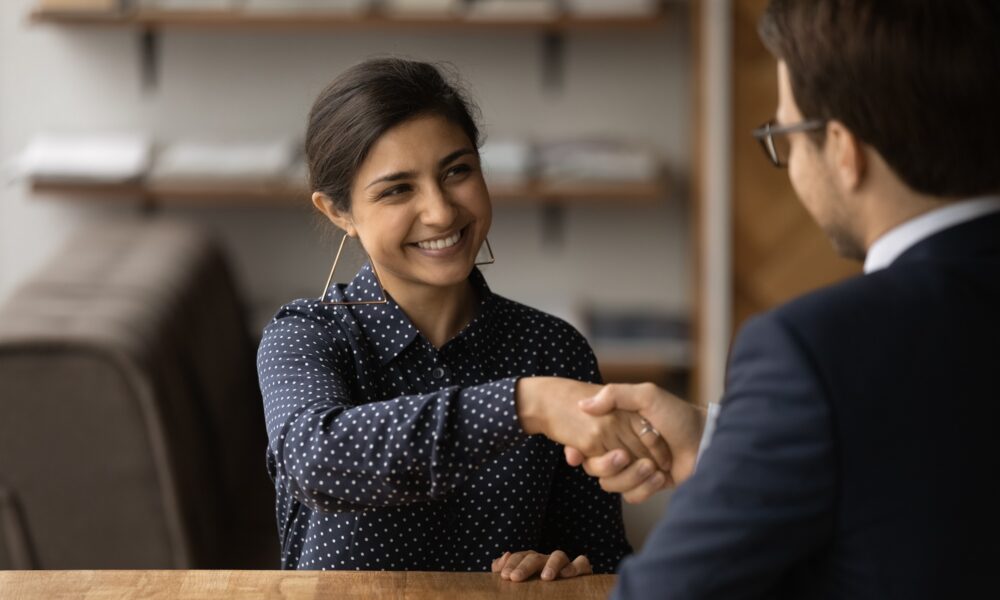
(154, 214)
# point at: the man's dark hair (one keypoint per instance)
(367, 100)
(918, 80)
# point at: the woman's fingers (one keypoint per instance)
(579, 566)
(513, 561)
(498, 563)
(574, 457)
(532, 564)
(521, 566)
(556, 562)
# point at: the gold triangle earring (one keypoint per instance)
(333, 269)
(492, 259)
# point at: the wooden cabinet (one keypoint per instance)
(778, 251)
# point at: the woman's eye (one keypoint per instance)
(394, 191)
(458, 170)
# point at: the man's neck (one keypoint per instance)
(890, 203)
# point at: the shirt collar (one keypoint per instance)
(899, 239)
(387, 326)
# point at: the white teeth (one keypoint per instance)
(441, 244)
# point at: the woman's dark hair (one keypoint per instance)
(366, 101)
(918, 80)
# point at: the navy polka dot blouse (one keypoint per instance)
(388, 453)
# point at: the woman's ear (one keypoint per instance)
(325, 205)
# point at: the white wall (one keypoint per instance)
(251, 85)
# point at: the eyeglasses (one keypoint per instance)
(772, 138)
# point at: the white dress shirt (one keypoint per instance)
(886, 249)
(904, 236)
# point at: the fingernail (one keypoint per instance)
(619, 459)
(645, 470)
(658, 480)
(586, 402)
(547, 573)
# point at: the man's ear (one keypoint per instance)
(325, 205)
(846, 154)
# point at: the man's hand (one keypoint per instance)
(678, 422)
(520, 566)
(550, 406)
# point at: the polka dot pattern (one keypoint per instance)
(390, 454)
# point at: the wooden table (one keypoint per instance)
(332, 585)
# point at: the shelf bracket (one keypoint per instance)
(553, 60)
(149, 58)
(553, 224)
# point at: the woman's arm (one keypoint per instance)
(335, 455)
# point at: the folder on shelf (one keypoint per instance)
(508, 162)
(215, 164)
(640, 336)
(596, 9)
(513, 10)
(598, 160)
(86, 158)
(81, 6)
(422, 8)
(333, 7)
(207, 5)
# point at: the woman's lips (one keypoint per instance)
(446, 246)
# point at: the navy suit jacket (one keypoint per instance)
(857, 444)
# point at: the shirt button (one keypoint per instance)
(439, 373)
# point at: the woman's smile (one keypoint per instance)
(443, 246)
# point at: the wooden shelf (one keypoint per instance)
(242, 19)
(152, 194)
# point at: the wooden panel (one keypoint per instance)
(293, 585)
(778, 250)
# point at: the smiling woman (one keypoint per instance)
(402, 433)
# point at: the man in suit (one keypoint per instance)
(853, 453)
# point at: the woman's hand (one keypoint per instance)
(680, 423)
(549, 405)
(520, 566)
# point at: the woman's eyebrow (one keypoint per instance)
(397, 176)
(451, 157)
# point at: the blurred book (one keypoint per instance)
(640, 336)
(422, 8)
(201, 164)
(335, 7)
(82, 6)
(513, 10)
(192, 4)
(86, 158)
(508, 162)
(598, 160)
(606, 8)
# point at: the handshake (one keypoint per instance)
(636, 439)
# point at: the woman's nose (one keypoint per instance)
(437, 208)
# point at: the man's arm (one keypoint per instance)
(761, 499)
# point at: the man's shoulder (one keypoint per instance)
(856, 301)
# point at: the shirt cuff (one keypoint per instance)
(709, 431)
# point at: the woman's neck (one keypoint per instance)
(439, 313)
